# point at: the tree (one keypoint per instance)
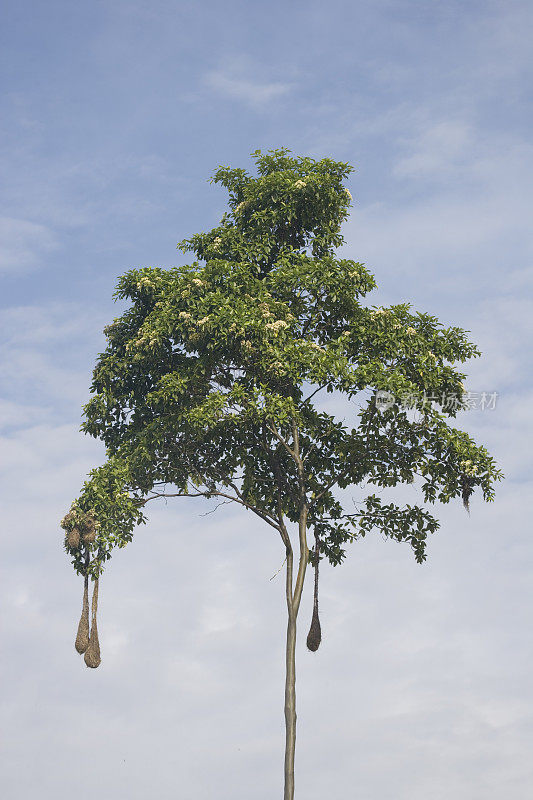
(209, 383)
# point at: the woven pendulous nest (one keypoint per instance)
(73, 539)
(314, 637)
(82, 638)
(92, 654)
(89, 536)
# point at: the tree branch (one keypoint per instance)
(280, 439)
(209, 493)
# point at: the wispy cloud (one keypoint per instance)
(253, 93)
(23, 244)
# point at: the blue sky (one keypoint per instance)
(114, 115)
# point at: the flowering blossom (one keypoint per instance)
(197, 282)
(467, 467)
(265, 311)
(184, 315)
(410, 331)
(299, 184)
(275, 326)
(144, 281)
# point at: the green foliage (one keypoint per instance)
(216, 366)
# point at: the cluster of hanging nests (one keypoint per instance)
(80, 534)
(80, 530)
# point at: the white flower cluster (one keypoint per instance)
(275, 326)
(299, 184)
(316, 346)
(216, 243)
(410, 331)
(203, 320)
(184, 315)
(144, 281)
(265, 311)
(142, 340)
(468, 468)
(348, 193)
(197, 282)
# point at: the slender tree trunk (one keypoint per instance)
(290, 707)
(293, 604)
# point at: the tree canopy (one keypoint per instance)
(216, 367)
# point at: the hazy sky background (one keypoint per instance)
(114, 115)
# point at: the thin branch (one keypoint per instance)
(222, 503)
(330, 485)
(280, 438)
(272, 457)
(318, 439)
(279, 570)
(313, 393)
(210, 493)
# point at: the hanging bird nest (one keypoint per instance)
(73, 539)
(82, 637)
(88, 530)
(81, 530)
(92, 653)
(69, 520)
(80, 525)
(314, 637)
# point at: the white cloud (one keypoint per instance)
(252, 93)
(23, 244)
(47, 354)
(464, 226)
(437, 149)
